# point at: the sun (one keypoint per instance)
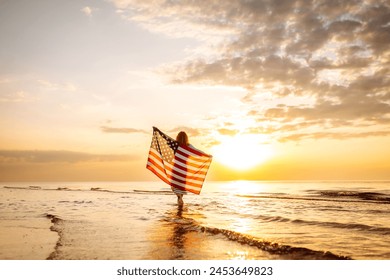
(242, 152)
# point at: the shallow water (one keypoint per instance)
(229, 220)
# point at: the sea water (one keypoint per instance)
(228, 220)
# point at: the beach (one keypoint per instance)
(229, 220)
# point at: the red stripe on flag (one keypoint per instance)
(151, 168)
(191, 150)
(186, 162)
(187, 170)
(155, 167)
(191, 155)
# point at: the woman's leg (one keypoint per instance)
(180, 199)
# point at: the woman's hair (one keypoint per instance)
(182, 138)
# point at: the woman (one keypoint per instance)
(182, 138)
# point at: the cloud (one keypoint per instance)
(332, 135)
(58, 156)
(176, 18)
(107, 129)
(48, 85)
(192, 132)
(229, 132)
(16, 97)
(5, 80)
(87, 11)
(22, 90)
(333, 52)
(210, 143)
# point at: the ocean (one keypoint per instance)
(229, 220)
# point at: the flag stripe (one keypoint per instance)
(189, 154)
(193, 152)
(170, 174)
(182, 168)
(178, 170)
(158, 167)
(165, 166)
(176, 183)
(188, 160)
(188, 166)
(191, 159)
(157, 172)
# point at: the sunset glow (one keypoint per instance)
(279, 89)
(242, 152)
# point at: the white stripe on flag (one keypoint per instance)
(189, 178)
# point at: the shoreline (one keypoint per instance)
(54, 228)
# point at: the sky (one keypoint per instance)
(273, 89)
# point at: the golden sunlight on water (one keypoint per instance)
(243, 187)
(241, 225)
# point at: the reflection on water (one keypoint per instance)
(245, 187)
(241, 225)
(173, 237)
(178, 235)
(185, 239)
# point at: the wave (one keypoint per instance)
(97, 189)
(152, 192)
(56, 221)
(352, 226)
(314, 195)
(39, 188)
(371, 196)
(361, 198)
(76, 201)
(286, 251)
(372, 229)
(281, 250)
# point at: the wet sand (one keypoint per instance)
(26, 240)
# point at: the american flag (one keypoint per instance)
(182, 167)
